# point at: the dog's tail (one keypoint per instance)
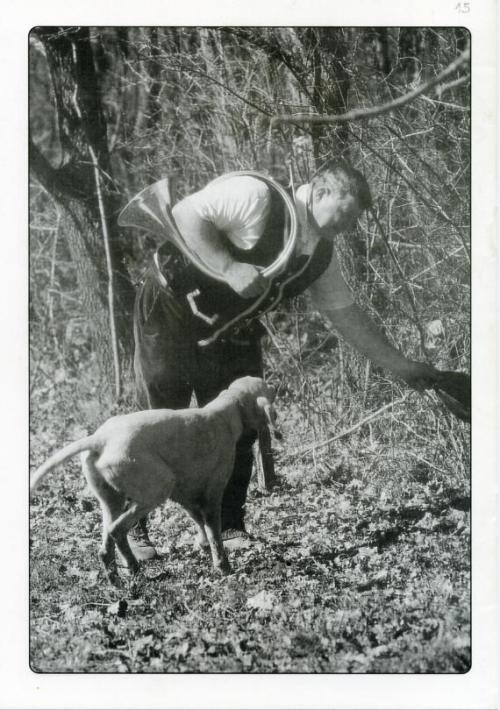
(87, 443)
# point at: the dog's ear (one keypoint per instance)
(266, 410)
(268, 414)
(253, 415)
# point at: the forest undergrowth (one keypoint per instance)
(362, 558)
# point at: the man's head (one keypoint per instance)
(338, 196)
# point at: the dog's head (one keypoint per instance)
(255, 399)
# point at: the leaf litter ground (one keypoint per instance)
(359, 567)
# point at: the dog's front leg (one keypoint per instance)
(213, 532)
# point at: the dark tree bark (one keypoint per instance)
(154, 107)
(83, 172)
(326, 50)
(410, 41)
(381, 48)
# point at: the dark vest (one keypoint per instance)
(218, 298)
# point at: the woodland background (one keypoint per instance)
(364, 562)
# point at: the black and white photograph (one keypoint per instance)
(251, 259)
(250, 315)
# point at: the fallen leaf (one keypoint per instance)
(428, 522)
(141, 643)
(118, 608)
(264, 601)
(367, 551)
(379, 579)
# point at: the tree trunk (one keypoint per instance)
(326, 49)
(83, 173)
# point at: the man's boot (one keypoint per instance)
(139, 541)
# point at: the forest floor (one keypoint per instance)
(361, 564)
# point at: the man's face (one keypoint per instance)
(334, 208)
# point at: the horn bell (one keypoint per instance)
(149, 209)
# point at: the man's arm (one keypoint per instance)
(360, 332)
(203, 217)
(204, 239)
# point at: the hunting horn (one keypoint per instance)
(151, 209)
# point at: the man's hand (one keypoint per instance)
(419, 375)
(245, 279)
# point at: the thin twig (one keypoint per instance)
(109, 266)
(107, 250)
(404, 282)
(431, 268)
(53, 270)
(427, 463)
(434, 206)
(417, 154)
(350, 430)
(445, 103)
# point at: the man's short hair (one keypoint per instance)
(356, 180)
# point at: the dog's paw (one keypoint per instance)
(224, 568)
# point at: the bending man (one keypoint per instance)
(235, 226)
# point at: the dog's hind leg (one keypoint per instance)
(111, 503)
(119, 528)
(201, 539)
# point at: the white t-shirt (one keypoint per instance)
(239, 206)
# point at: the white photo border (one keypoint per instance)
(21, 687)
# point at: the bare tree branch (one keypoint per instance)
(359, 113)
(452, 84)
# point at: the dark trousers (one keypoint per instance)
(170, 366)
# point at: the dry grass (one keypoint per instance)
(362, 563)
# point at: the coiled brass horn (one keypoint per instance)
(151, 209)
